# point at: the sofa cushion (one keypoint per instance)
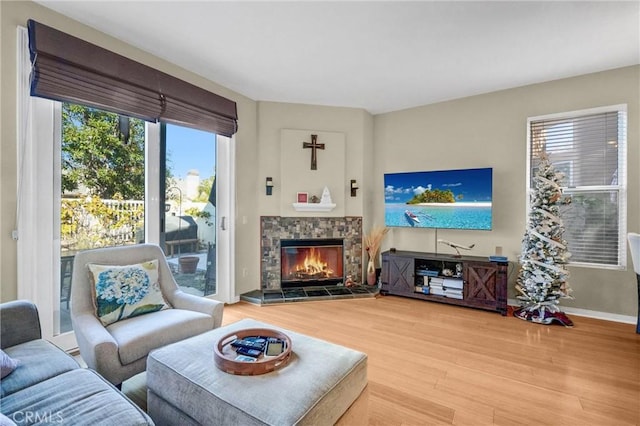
(127, 291)
(139, 335)
(77, 397)
(19, 323)
(38, 360)
(7, 364)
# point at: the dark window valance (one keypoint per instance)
(66, 68)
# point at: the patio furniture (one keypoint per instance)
(66, 270)
(191, 243)
(210, 274)
(181, 235)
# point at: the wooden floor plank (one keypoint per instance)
(434, 364)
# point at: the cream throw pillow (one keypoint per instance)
(122, 292)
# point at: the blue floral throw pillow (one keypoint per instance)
(126, 291)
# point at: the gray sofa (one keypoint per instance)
(48, 385)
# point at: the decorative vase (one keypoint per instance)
(371, 273)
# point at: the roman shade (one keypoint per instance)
(66, 68)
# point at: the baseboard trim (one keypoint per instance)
(607, 316)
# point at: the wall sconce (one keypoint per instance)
(354, 187)
(269, 185)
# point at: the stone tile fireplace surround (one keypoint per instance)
(276, 228)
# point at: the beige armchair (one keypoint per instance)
(119, 350)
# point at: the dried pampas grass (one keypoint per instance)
(373, 241)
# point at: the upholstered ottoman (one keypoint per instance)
(316, 387)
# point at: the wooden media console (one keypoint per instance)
(470, 281)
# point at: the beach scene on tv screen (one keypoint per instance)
(448, 199)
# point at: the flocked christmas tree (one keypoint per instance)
(542, 280)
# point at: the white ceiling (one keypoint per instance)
(378, 55)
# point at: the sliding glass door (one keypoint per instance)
(189, 216)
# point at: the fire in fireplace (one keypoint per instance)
(311, 262)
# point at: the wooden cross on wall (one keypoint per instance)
(314, 145)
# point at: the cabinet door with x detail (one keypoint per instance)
(401, 275)
(485, 285)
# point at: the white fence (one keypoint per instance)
(89, 223)
(93, 222)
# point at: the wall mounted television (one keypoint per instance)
(446, 199)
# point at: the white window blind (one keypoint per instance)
(589, 147)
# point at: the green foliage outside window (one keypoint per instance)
(204, 188)
(92, 222)
(197, 213)
(95, 156)
(102, 168)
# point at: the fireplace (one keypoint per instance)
(275, 229)
(312, 262)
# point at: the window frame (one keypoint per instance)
(620, 188)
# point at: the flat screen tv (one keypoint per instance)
(447, 199)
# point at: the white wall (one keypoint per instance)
(354, 123)
(272, 117)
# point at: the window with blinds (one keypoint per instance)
(589, 147)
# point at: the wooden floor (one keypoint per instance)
(437, 364)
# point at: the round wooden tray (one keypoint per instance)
(225, 354)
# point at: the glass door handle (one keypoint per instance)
(223, 223)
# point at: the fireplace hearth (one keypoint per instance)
(311, 262)
(309, 294)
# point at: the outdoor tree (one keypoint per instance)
(204, 189)
(542, 280)
(102, 159)
(96, 157)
